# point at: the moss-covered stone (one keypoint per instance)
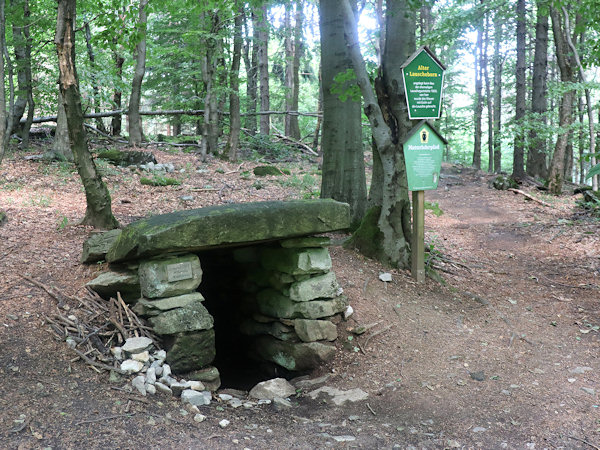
(169, 276)
(223, 225)
(315, 330)
(276, 329)
(294, 356)
(147, 308)
(191, 351)
(320, 286)
(107, 284)
(192, 317)
(263, 171)
(306, 242)
(272, 303)
(127, 158)
(97, 245)
(297, 261)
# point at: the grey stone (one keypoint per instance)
(272, 303)
(150, 389)
(224, 423)
(294, 356)
(275, 329)
(131, 366)
(199, 418)
(343, 438)
(209, 376)
(191, 351)
(193, 317)
(163, 388)
(479, 429)
(151, 375)
(107, 284)
(305, 242)
(169, 276)
(225, 397)
(590, 391)
(297, 261)
(339, 397)
(166, 370)
(321, 286)
(178, 387)
(160, 355)
(386, 277)
(139, 383)
(98, 244)
(581, 370)
(146, 307)
(315, 330)
(281, 403)
(196, 398)
(309, 383)
(199, 229)
(196, 385)
(268, 390)
(143, 357)
(136, 344)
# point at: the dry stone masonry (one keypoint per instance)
(269, 279)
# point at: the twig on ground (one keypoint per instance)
(530, 197)
(371, 409)
(100, 419)
(584, 441)
(377, 333)
(91, 362)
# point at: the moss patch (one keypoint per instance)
(158, 180)
(367, 238)
(262, 171)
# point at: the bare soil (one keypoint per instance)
(485, 359)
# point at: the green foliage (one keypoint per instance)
(261, 171)
(265, 146)
(434, 207)
(159, 180)
(62, 223)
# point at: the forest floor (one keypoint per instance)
(504, 354)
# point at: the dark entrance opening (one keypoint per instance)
(227, 287)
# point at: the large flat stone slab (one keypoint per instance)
(228, 225)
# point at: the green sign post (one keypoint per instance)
(423, 150)
(423, 76)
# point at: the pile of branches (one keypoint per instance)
(91, 325)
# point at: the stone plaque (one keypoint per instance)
(179, 271)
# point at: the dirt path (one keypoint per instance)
(489, 360)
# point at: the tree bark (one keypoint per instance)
(251, 64)
(117, 120)
(293, 50)
(497, 62)
(98, 211)
(488, 93)
(234, 86)
(263, 69)
(520, 93)
(343, 157)
(565, 114)
(136, 132)
(385, 231)
(536, 155)
(210, 125)
(3, 115)
(95, 87)
(61, 147)
(478, 105)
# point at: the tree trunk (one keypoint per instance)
(536, 155)
(3, 115)
(95, 87)
(488, 93)
(98, 212)
(385, 231)
(61, 146)
(520, 92)
(251, 63)
(22, 49)
(343, 158)
(565, 114)
(293, 50)
(315, 143)
(210, 126)
(136, 132)
(234, 86)
(116, 122)
(263, 69)
(478, 106)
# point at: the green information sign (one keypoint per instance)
(423, 150)
(423, 76)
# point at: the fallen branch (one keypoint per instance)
(584, 441)
(305, 148)
(377, 333)
(98, 364)
(530, 197)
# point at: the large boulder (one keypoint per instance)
(192, 317)
(170, 276)
(191, 351)
(238, 224)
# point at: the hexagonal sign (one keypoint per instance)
(423, 76)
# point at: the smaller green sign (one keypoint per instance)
(423, 150)
(423, 76)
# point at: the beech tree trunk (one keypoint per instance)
(117, 121)
(251, 63)
(565, 113)
(488, 93)
(536, 154)
(3, 115)
(136, 132)
(263, 69)
(293, 47)
(95, 87)
(210, 124)
(478, 106)
(520, 93)
(343, 157)
(234, 86)
(98, 211)
(498, 63)
(385, 230)
(61, 146)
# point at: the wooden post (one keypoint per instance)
(418, 237)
